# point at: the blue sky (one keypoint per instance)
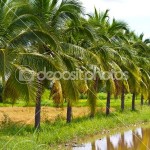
(135, 12)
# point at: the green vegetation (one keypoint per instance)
(57, 36)
(80, 103)
(53, 134)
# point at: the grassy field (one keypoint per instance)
(81, 103)
(53, 133)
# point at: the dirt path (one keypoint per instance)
(26, 114)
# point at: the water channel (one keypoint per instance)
(137, 139)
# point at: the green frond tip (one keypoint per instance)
(19, 87)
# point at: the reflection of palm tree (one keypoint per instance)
(122, 140)
(109, 144)
(121, 144)
(143, 144)
(135, 140)
(148, 143)
(93, 146)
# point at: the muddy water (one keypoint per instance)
(138, 139)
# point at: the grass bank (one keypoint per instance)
(17, 136)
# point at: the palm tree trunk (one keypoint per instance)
(108, 103)
(133, 101)
(1, 99)
(149, 101)
(1, 92)
(142, 99)
(122, 98)
(93, 109)
(38, 108)
(92, 97)
(38, 112)
(69, 113)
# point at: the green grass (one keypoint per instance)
(60, 132)
(81, 103)
(17, 136)
(52, 134)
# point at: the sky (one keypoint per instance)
(135, 12)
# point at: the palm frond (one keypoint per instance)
(20, 89)
(35, 35)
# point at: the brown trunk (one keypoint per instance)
(142, 100)
(1, 99)
(122, 140)
(93, 146)
(149, 101)
(108, 103)
(38, 108)
(109, 144)
(69, 113)
(96, 84)
(135, 140)
(94, 100)
(122, 98)
(1, 91)
(133, 101)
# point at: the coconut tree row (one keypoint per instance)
(39, 44)
(57, 35)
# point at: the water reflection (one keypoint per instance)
(128, 139)
(138, 139)
(101, 144)
(115, 140)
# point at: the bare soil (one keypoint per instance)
(26, 114)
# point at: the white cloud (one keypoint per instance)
(135, 12)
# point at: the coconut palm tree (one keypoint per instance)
(36, 62)
(141, 60)
(47, 36)
(53, 34)
(51, 44)
(109, 36)
(17, 22)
